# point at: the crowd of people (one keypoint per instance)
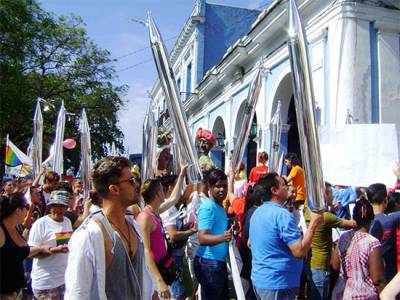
(165, 237)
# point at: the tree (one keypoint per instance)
(52, 57)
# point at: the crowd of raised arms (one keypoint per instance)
(166, 238)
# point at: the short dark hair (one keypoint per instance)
(377, 193)
(10, 204)
(65, 186)
(216, 175)
(108, 171)
(293, 158)
(255, 196)
(149, 189)
(51, 176)
(363, 212)
(268, 181)
(167, 181)
(327, 185)
(393, 201)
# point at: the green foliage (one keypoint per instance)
(53, 58)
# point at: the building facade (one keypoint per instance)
(355, 56)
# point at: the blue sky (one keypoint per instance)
(108, 25)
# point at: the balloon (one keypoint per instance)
(69, 144)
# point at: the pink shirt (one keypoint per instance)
(158, 245)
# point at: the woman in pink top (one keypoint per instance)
(149, 220)
(358, 257)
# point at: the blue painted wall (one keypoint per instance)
(223, 27)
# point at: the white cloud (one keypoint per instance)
(132, 115)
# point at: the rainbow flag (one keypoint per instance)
(12, 159)
(15, 157)
(62, 238)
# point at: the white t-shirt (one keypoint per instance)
(48, 272)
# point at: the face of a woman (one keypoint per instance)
(219, 190)
(57, 212)
(21, 213)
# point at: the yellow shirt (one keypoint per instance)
(297, 173)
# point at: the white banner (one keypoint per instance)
(359, 154)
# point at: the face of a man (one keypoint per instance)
(78, 186)
(219, 190)
(163, 160)
(9, 187)
(128, 188)
(205, 146)
(281, 192)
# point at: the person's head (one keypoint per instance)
(218, 185)
(262, 157)
(113, 181)
(255, 196)
(50, 181)
(168, 183)
(58, 204)
(77, 186)
(14, 206)
(393, 203)
(8, 186)
(377, 194)
(152, 191)
(163, 159)
(275, 187)
(328, 193)
(291, 160)
(66, 186)
(206, 140)
(363, 213)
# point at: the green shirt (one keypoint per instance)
(321, 244)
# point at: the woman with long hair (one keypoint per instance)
(14, 249)
(358, 256)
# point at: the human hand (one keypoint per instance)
(163, 290)
(184, 169)
(59, 249)
(228, 235)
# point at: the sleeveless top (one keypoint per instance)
(123, 276)
(158, 245)
(11, 269)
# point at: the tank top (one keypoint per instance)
(11, 269)
(158, 245)
(123, 276)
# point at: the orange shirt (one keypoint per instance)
(297, 173)
(256, 173)
(238, 206)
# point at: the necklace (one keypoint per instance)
(128, 240)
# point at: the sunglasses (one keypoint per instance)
(131, 180)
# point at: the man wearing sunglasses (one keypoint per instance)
(107, 253)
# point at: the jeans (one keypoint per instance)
(288, 294)
(177, 287)
(319, 284)
(212, 275)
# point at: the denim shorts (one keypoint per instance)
(287, 294)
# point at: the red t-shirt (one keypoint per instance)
(238, 206)
(256, 173)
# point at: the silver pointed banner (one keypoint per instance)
(149, 161)
(58, 159)
(86, 154)
(37, 141)
(250, 109)
(274, 151)
(176, 158)
(304, 102)
(174, 103)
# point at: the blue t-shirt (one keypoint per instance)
(212, 217)
(383, 227)
(272, 229)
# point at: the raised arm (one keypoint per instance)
(176, 192)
